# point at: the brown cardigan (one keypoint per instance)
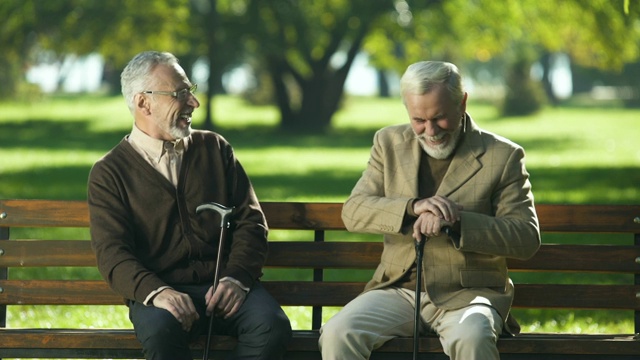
(145, 232)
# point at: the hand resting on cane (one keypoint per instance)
(227, 299)
(434, 213)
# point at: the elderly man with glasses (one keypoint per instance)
(151, 245)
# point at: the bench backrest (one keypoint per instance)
(324, 251)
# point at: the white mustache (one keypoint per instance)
(432, 138)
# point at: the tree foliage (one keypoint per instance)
(595, 33)
(117, 29)
(307, 47)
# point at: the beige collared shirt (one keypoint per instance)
(164, 156)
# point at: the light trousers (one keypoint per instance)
(377, 316)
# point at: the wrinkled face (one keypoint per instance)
(436, 120)
(168, 118)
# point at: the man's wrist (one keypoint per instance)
(232, 280)
(410, 208)
(148, 301)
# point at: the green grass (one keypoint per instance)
(574, 155)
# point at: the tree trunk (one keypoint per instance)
(321, 94)
(210, 30)
(547, 83)
(524, 95)
(277, 71)
(383, 84)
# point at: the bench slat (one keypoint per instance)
(53, 213)
(42, 253)
(292, 215)
(335, 255)
(577, 296)
(44, 213)
(303, 216)
(582, 258)
(308, 293)
(304, 340)
(588, 218)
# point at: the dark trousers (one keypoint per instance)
(262, 328)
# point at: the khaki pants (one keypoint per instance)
(377, 316)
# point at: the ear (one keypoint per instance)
(463, 104)
(142, 104)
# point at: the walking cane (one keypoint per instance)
(416, 323)
(223, 211)
(419, 253)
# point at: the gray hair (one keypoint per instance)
(422, 77)
(135, 76)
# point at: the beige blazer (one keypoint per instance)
(488, 178)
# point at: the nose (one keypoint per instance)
(192, 101)
(431, 128)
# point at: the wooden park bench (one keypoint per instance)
(318, 244)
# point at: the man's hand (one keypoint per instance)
(439, 206)
(434, 213)
(428, 224)
(179, 305)
(227, 299)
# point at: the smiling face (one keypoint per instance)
(436, 120)
(163, 116)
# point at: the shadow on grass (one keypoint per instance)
(264, 137)
(70, 183)
(556, 143)
(594, 185)
(323, 184)
(550, 185)
(51, 134)
(77, 135)
(60, 183)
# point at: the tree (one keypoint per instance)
(116, 29)
(300, 43)
(214, 29)
(308, 47)
(595, 33)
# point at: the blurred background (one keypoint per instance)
(304, 56)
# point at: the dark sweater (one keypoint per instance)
(145, 231)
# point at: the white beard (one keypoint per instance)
(442, 151)
(178, 132)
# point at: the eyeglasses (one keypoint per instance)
(180, 95)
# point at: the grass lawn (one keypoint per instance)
(574, 155)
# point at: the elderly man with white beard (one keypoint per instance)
(439, 170)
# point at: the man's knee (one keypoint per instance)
(474, 336)
(265, 336)
(340, 339)
(159, 332)
(275, 326)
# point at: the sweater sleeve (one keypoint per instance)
(248, 247)
(112, 237)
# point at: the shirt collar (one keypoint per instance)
(155, 148)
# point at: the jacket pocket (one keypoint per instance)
(482, 278)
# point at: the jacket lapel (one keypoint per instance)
(408, 156)
(465, 163)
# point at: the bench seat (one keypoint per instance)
(122, 344)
